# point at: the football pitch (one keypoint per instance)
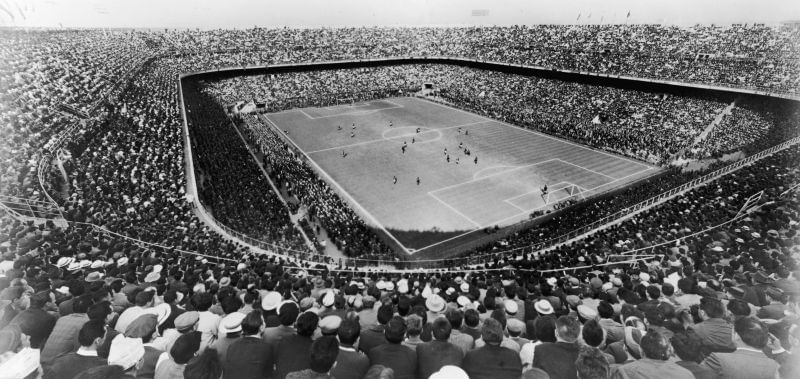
(499, 182)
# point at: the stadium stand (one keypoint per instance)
(128, 282)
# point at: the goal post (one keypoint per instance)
(345, 101)
(563, 192)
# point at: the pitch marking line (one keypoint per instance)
(553, 187)
(359, 105)
(493, 175)
(454, 210)
(586, 169)
(430, 130)
(543, 135)
(476, 176)
(358, 113)
(342, 191)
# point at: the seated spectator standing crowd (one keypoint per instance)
(134, 285)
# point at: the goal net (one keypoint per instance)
(345, 101)
(563, 192)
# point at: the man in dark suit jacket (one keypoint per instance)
(374, 335)
(748, 361)
(249, 357)
(349, 363)
(715, 332)
(292, 353)
(70, 364)
(431, 356)
(689, 348)
(492, 360)
(558, 358)
(393, 355)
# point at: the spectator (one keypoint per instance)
(748, 360)
(392, 354)
(654, 363)
(350, 363)
(492, 360)
(323, 357)
(249, 357)
(432, 356)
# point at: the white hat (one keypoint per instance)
(152, 277)
(241, 266)
(232, 323)
(464, 287)
(390, 286)
(64, 261)
(402, 286)
(122, 261)
(74, 266)
(381, 285)
(426, 292)
(435, 303)
(199, 287)
(645, 277)
(162, 312)
(544, 307)
(511, 306)
(97, 264)
(449, 372)
(552, 281)
(125, 352)
(85, 263)
(271, 301)
(328, 298)
(462, 301)
(158, 268)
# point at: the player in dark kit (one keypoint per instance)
(394, 179)
(418, 180)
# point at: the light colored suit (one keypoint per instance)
(744, 363)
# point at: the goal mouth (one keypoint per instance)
(561, 192)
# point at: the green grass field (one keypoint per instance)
(455, 197)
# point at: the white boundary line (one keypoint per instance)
(429, 130)
(515, 168)
(339, 186)
(486, 120)
(476, 177)
(335, 107)
(430, 193)
(542, 134)
(530, 192)
(368, 111)
(587, 169)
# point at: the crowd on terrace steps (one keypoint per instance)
(721, 303)
(78, 298)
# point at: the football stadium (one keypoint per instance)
(386, 190)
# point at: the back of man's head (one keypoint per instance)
(251, 324)
(655, 346)
(395, 330)
(348, 331)
(472, 318)
(568, 329)
(688, 346)
(592, 333)
(492, 332)
(752, 332)
(81, 304)
(287, 313)
(441, 329)
(385, 313)
(144, 298)
(455, 317)
(323, 354)
(591, 364)
(653, 292)
(307, 323)
(712, 307)
(90, 331)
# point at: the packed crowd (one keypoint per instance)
(719, 304)
(79, 301)
(230, 182)
(320, 203)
